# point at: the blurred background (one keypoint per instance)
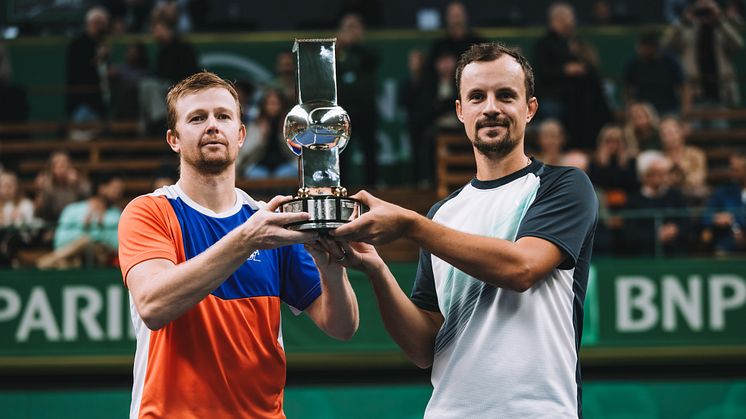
(645, 96)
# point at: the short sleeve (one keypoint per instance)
(148, 229)
(423, 294)
(301, 284)
(564, 212)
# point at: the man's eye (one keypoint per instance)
(477, 96)
(224, 116)
(197, 118)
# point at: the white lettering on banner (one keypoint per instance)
(10, 304)
(626, 305)
(114, 312)
(638, 308)
(81, 314)
(38, 315)
(86, 313)
(719, 302)
(675, 297)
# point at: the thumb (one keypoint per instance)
(275, 203)
(365, 197)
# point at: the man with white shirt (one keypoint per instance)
(497, 304)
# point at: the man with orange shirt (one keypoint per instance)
(207, 268)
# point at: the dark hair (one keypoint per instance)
(492, 51)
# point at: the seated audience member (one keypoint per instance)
(58, 185)
(550, 141)
(688, 163)
(644, 235)
(87, 230)
(265, 153)
(641, 130)
(725, 218)
(16, 218)
(613, 168)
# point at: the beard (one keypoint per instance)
(499, 145)
(209, 163)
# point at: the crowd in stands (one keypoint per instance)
(654, 190)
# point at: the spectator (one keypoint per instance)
(285, 77)
(613, 167)
(126, 79)
(357, 68)
(648, 232)
(176, 59)
(568, 80)
(15, 209)
(706, 41)
(14, 105)
(688, 163)
(641, 132)
(248, 96)
(416, 98)
(725, 218)
(458, 37)
(87, 82)
(16, 219)
(87, 230)
(58, 185)
(265, 153)
(654, 77)
(550, 141)
(442, 115)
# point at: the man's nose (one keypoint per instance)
(212, 124)
(491, 106)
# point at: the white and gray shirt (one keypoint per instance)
(501, 353)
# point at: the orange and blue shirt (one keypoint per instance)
(224, 357)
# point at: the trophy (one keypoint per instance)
(317, 130)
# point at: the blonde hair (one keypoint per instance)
(195, 83)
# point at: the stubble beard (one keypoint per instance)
(208, 165)
(496, 147)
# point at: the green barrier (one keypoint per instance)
(602, 400)
(635, 309)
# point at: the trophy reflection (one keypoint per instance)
(317, 130)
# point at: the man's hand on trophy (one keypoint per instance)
(266, 228)
(353, 255)
(384, 222)
(327, 254)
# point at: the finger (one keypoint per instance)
(285, 218)
(275, 203)
(346, 230)
(297, 237)
(333, 248)
(364, 196)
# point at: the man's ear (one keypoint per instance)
(172, 138)
(459, 115)
(241, 135)
(533, 107)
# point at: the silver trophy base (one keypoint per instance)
(327, 212)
